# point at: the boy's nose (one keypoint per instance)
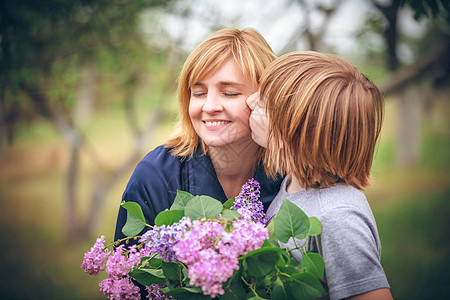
(252, 100)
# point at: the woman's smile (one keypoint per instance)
(215, 124)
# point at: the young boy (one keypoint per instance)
(320, 118)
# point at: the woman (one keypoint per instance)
(212, 152)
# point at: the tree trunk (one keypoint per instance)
(413, 92)
(84, 103)
(71, 189)
(103, 185)
(408, 126)
(86, 95)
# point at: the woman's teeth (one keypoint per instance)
(216, 123)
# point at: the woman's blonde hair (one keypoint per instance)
(325, 118)
(251, 54)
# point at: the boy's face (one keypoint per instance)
(259, 121)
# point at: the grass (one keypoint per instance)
(410, 205)
(416, 249)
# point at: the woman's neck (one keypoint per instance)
(234, 165)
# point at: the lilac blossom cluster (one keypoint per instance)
(161, 239)
(94, 260)
(247, 203)
(118, 285)
(118, 264)
(211, 250)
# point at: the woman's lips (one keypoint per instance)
(215, 124)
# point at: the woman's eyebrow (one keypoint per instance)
(221, 83)
(199, 84)
(230, 83)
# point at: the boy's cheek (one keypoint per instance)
(259, 127)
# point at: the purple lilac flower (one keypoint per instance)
(119, 289)
(210, 270)
(247, 203)
(94, 260)
(211, 253)
(160, 239)
(119, 265)
(248, 236)
(118, 285)
(154, 292)
(201, 235)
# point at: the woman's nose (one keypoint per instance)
(212, 103)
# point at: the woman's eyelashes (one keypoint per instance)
(232, 94)
(225, 93)
(198, 94)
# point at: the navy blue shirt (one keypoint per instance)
(159, 175)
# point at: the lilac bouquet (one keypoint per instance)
(203, 249)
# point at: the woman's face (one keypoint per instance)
(218, 108)
(259, 121)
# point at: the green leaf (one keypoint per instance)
(171, 270)
(146, 276)
(271, 228)
(187, 293)
(313, 262)
(181, 199)
(233, 288)
(135, 219)
(257, 297)
(306, 286)
(291, 221)
(230, 214)
(133, 226)
(168, 217)
(228, 204)
(261, 262)
(134, 209)
(152, 262)
(203, 207)
(279, 291)
(271, 244)
(267, 247)
(315, 227)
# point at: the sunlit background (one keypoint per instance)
(89, 87)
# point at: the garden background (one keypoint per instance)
(89, 87)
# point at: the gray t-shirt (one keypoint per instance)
(349, 242)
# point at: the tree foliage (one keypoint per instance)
(45, 44)
(54, 56)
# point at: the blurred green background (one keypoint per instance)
(88, 87)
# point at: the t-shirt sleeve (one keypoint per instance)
(351, 250)
(149, 187)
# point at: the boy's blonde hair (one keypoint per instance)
(325, 118)
(251, 54)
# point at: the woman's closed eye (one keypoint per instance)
(232, 94)
(198, 92)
